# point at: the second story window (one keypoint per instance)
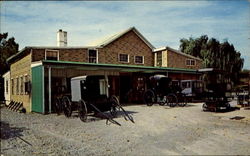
(139, 59)
(124, 58)
(159, 59)
(52, 55)
(93, 58)
(190, 62)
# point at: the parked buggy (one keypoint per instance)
(162, 91)
(217, 90)
(89, 96)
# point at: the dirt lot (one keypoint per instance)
(158, 130)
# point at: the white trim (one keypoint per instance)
(6, 74)
(137, 62)
(114, 37)
(37, 63)
(176, 51)
(122, 61)
(58, 53)
(190, 62)
(43, 90)
(97, 55)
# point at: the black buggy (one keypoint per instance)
(89, 96)
(218, 90)
(164, 92)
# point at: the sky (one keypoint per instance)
(162, 23)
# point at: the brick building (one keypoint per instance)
(126, 59)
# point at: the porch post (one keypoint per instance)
(49, 76)
(107, 83)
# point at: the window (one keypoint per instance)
(12, 86)
(21, 85)
(52, 55)
(93, 56)
(124, 58)
(17, 86)
(6, 86)
(139, 59)
(159, 59)
(27, 88)
(190, 62)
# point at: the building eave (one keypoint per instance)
(120, 67)
(176, 51)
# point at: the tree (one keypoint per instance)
(8, 47)
(214, 54)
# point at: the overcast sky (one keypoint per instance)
(163, 23)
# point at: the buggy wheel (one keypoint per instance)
(82, 111)
(149, 97)
(114, 105)
(67, 106)
(172, 100)
(182, 100)
(58, 106)
(204, 107)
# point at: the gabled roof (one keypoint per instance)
(176, 51)
(107, 40)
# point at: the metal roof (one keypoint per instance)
(117, 67)
(176, 51)
(107, 40)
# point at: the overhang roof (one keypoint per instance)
(116, 67)
(176, 51)
(109, 39)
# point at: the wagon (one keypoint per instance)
(162, 91)
(89, 95)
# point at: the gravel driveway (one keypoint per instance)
(158, 130)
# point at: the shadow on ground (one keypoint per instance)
(8, 132)
(92, 117)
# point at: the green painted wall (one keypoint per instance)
(38, 89)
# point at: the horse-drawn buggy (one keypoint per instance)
(89, 95)
(164, 92)
(218, 90)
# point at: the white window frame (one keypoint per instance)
(190, 60)
(7, 86)
(194, 62)
(137, 62)
(122, 61)
(58, 58)
(17, 86)
(21, 85)
(26, 79)
(12, 86)
(97, 55)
